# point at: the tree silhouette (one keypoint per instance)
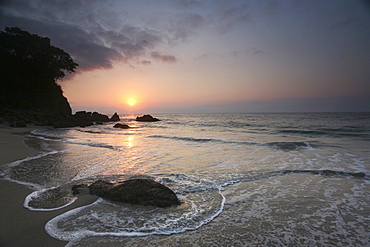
(29, 69)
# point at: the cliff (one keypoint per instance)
(29, 70)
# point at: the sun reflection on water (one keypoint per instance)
(130, 141)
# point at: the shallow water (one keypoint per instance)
(243, 179)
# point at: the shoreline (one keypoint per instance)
(20, 226)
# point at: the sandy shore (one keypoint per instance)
(18, 225)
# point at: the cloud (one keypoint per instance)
(85, 48)
(146, 62)
(178, 27)
(93, 35)
(163, 58)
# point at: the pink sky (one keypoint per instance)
(208, 56)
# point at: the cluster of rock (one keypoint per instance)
(83, 119)
(147, 118)
(135, 191)
(20, 118)
(144, 118)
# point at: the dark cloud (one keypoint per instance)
(84, 47)
(163, 58)
(91, 34)
(146, 62)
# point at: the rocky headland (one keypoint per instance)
(30, 68)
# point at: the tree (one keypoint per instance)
(29, 69)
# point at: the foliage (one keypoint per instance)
(29, 69)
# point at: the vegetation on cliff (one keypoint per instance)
(29, 69)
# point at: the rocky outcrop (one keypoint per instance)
(80, 118)
(135, 191)
(147, 118)
(115, 118)
(122, 126)
(97, 117)
(18, 118)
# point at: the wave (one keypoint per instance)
(5, 170)
(89, 131)
(360, 175)
(202, 140)
(326, 172)
(90, 144)
(49, 199)
(181, 184)
(286, 146)
(202, 201)
(52, 134)
(352, 131)
(290, 146)
(117, 219)
(303, 132)
(190, 139)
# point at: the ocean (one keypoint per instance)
(261, 179)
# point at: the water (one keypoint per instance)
(243, 179)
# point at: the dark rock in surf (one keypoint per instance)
(80, 118)
(98, 117)
(115, 118)
(72, 121)
(122, 126)
(136, 191)
(147, 118)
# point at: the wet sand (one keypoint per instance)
(18, 225)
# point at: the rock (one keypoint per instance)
(82, 115)
(97, 117)
(122, 126)
(82, 119)
(147, 118)
(115, 118)
(136, 191)
(72, 121)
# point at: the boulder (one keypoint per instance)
(115, 118)
(97, 117)
(122, 126)
(147, 118)
(136, 191)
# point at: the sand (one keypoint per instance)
(18, 225)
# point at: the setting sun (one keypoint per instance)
(131, 102)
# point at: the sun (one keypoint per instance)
(131, 102)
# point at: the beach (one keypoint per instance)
(20, 226)
(243, 180)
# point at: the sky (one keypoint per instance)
(207, 56)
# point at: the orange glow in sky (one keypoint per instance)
(212, 56)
